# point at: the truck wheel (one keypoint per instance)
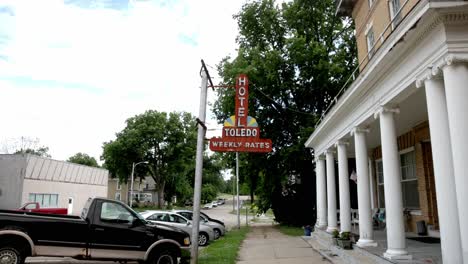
(217, 233)
(203, 239)
(9, 255)
(165, 256)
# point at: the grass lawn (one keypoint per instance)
(225, 249)
(291, 230)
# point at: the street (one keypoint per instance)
(222, 212)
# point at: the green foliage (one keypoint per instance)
(345, 236)
(166, 141)
(297, 56)
(41, 152)
(83, 159)
(291, 230)
(225, 249)
(209, 193)
(335, 233)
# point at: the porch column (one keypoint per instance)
(321, 193)
(366, 233)
(331, 192)
(392, 186)
(343, 183)
(443, 170)
(456, 84)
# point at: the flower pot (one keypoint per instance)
(345, 244)
(335, 241)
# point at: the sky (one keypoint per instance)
(72, 71)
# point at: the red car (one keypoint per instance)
(34, 207)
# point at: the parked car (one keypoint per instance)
(221, 201)
(212, 219)
(219, 229)
(36, 208)
(106, 230)
(208, 206)
(205, 233)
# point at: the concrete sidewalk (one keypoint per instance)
(266, 244)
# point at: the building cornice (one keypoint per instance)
(435, 70)
(423, 20)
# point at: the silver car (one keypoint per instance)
(219, 229)
(205, 233)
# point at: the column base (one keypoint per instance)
(397, 254)
(362, 243)
(331, 229)
(321, 225)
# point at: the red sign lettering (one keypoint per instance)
(241, 132)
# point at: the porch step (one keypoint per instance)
(323, 243)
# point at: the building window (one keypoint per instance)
(370, 41)
(45, 200)
(409, 181)
(119, 185)
(380, 183)
(118, 196)
(395, 14)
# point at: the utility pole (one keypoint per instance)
(237, 190)
(199, 164)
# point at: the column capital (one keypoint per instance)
(319, 157)
(448, 60)
(431, 73)
(359, 130)
(385, 109)
(341, 142)
(330, 151)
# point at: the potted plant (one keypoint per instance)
(335, 236)
(344, 240)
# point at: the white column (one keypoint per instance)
(443, 171)
(392, 187)
(321, 193)
(372, 184)
(343, 184)
(366, 233)
(456, 89)
(331, 192)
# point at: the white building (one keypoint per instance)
(404, 119)
(52, 183)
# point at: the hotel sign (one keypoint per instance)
(241, 132)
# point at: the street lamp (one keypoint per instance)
(131, 186)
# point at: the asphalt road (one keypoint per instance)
(224, 213)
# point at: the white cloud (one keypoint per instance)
(72, 75)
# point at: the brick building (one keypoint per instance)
(403, 119)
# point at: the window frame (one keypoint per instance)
(370, 46)
(49, 197)
(395, 15)
(402, 181)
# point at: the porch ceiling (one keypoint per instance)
(413, 111)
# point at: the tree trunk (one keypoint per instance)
(161, 196)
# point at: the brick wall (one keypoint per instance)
(419, 139)
(379, 16)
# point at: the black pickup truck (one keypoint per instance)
(106, 230)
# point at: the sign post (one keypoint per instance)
(198, 169)
(241, 132)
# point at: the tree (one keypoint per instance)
(83, 159)
(25, 145)
(41, 152)
(166, 141)
(297, 57)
